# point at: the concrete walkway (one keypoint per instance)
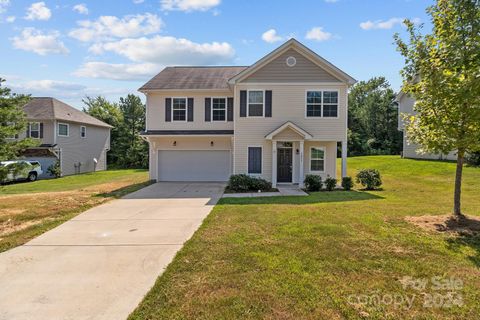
(100, 264)
(283, 190)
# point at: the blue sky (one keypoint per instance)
(69, 49)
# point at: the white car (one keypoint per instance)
(29, 170)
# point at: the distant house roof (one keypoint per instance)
(46, 108)
(206, 78)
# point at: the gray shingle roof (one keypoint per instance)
(46, 108)
(172, 78)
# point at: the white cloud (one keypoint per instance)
(38, 11)
(138, 1)
(119, 71)
(3, 5)
(10, 19)
(40, 86)
(318, 34)
(380, 24)
(189, 5)
(41, 43)
(110, 27)
(81, 8)
(168, 50)
(271, 36)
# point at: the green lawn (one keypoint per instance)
(328, 255)
(29, 209)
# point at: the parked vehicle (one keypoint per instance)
(22, 170)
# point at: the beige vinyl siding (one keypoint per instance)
(330, 164)
(75, 149)
(278, 71)
(184, 143)
(287, 135)
(288, 104)
(156, 111)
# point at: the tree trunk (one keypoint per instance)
(457, 208)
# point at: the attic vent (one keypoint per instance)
(291, 61)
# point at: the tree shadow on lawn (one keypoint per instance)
(467, 236)
(120, 192)
(314, 197)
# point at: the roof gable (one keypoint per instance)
(288, 128)
(310, 67)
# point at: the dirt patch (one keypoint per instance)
(445, 223)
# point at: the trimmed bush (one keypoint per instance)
(55, 170)
(473, 159)
(370, 179)
(347, 183)
(243, 182)
(313, 182)
(330, 183)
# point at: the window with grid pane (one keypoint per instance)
(179, 109)
(314, 103)
(317, 159)
(330, 104)
(219, 107)
(34, 130)
(255, 103)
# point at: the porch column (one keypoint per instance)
(344, 159)
(274, 163)
(300, 176)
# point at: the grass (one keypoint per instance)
(328, 255)
(30, 209)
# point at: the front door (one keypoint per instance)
(284, 164)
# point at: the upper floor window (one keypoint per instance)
(317, 159)
(322, 104)
(34, 130)
(15, 136)
(219, 109)
(255, 103)
(63, 129)
(179, 109)
(83, 131)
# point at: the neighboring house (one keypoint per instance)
(279, 119)
(77, 140)
(410, 150)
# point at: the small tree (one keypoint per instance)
(442, 74)
(12, 123)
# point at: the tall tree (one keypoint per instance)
(110, 113)
(442, 73)
(135, 149)
(372, 118)
(12, 124)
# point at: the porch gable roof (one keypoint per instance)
(292, 126)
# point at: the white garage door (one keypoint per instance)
(190, 165)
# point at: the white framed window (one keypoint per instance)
(15, 136)
(83, 131)
(255, 161)
(317, 159)
(321, 104)
(34, 130)
(63, 129)
(219, 109)
(179, 109)
(256, 103)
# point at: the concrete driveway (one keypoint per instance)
(100, 264)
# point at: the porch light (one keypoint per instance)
(297, 151)
(174, 143)
(211, 143)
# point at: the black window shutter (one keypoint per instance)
(168, 109)
(190, 109)
(28, 131)
(41, 130)
(230, 109)
(254, 160)
(243, 103)
(268, 103)
(208, 107)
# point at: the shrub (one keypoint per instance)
(347, 183)
(243, 182)
(473, 159)
(313, 182)
(369, 178)
(55, 170)
(330, 183)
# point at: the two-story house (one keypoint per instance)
(77, 140)
(410, 149)
(280, 119)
